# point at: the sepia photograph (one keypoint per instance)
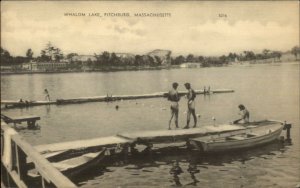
(122, 94)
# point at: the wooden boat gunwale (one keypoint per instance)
(211, 145)
(73, 171)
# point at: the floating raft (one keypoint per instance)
(132, 97)
(10, 103)
(155, 137)
(14, 104)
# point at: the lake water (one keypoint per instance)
(269, 91)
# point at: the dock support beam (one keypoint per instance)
(287, 127)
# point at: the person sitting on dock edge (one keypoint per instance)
(173, 96)
(191, 95)
(244, 115)
(47, 95)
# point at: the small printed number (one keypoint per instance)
(223, 15)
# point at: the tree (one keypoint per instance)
(266, 53)
(44, 56)
(200, 58)
(295, 51)
(19, 60)
(57, 54)
(178, 60)
(6, 59)
(223, 59)
(190, 58)
(232, 56)
(249, 55)
(151, 60)
(138, 60)
(114, 59)
(29, 54)
(158, 60)
(105, 56)
(51, 53)
(89, 62)
(276, 54)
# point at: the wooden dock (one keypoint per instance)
(110, 141)
(15, 104)
(143, 137)
(14, 151)
(177, 135)
(19, 119)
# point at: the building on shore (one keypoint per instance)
(83, 58)
(190, 65)
(44, 66)
(162, 56)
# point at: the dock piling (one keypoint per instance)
(287, 127)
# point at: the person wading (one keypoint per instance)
(47, 95)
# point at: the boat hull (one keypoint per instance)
(75, 165)
(250, 138)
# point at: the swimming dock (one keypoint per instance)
(16, 153)
(106, 98)
(142, 137)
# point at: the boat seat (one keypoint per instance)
(236, 138)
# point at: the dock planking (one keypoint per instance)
(156, 137)
(110, 141)
(19, 119)
(178, 135)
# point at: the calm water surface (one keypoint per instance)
(269, 91)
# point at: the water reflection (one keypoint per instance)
(193, 170)
(48, 109)
(175, 171)
(182, 165)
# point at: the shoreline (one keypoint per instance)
(106, 69)
(133, 68)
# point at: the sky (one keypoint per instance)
(201, 28)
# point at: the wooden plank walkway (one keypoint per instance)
(159, 136)
(178, 135)
(110, 141)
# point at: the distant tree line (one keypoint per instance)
(104, 59)
(231, 57)
(49, 53)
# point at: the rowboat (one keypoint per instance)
(75, 165)
(254, 134)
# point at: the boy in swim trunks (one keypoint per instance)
(191, 95)
(173, 96)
